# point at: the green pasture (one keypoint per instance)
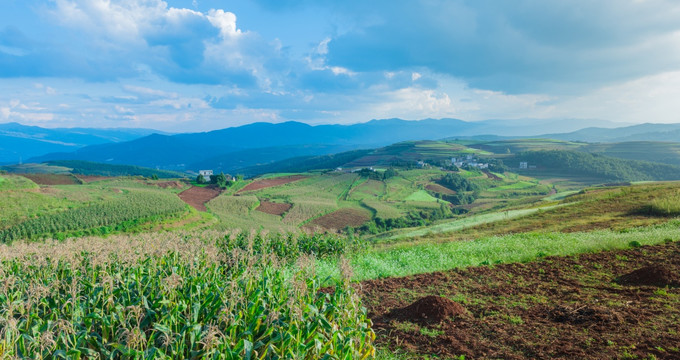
(424, 258)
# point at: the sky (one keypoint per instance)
(198, 65)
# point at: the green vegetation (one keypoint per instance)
(599, 166)
(420, 195)
(306, 163)
(13, 182)
(99, 169)
(172, 297)
(424, 258)
(35, 169)
(101, 218)
(667, 206)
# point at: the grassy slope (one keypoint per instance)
(425, 258)
(598, 219)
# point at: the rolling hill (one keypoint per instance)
(20, 142)
(184, 151)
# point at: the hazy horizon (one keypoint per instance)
(188, 66)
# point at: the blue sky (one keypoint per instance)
(195, 65)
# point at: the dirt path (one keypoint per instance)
(199, 196)
(491, 175)
(594, 306)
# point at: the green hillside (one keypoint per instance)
(596, 166)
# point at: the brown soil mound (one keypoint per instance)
(273, 208)
(440, 189)
(342, 218)
(198, 196)
(52, 179)
(261, 184)
(584, 315)
(653, 275)
(430, 309)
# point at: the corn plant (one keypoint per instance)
(112, 215)
(178, 298)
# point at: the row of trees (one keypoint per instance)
(412, 219)
(221, 180)
(377, 175)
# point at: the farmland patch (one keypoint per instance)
(342, 218)
(266, 183)
(273, 208)
(198, 196)
(558, 307)
(440, 189)
(52, 179)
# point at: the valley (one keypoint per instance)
(427, 259)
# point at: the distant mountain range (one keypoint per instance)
(642, 132)
(255, 144)
(20, 142)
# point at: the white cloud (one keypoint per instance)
(145, 91)
(225, 21)
(647, 99)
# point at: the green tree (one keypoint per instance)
(200, 179)
(221, 180)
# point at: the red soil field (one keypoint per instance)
(342, 218)
(273, 208)
(52, 179)
(265, 183)
(608, 305)
(198, 196)
(439, 189)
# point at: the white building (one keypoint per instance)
(523, 165)
(206, 174)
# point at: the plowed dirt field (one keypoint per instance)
(265, 183)
(198, 196)
(610, 305)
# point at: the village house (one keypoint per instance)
(206, 174)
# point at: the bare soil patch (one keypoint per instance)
(265, 183)
(342, 218)
(197, 197)
(52, 179)
(555, 308)
(273, 208)
(439, 189)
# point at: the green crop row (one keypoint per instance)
(177, 298)
(112, 215)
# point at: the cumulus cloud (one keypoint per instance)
(516, 46)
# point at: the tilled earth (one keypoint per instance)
(610, 305)
(199, 196)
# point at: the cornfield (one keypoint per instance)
(173, 296)
(99, 218)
